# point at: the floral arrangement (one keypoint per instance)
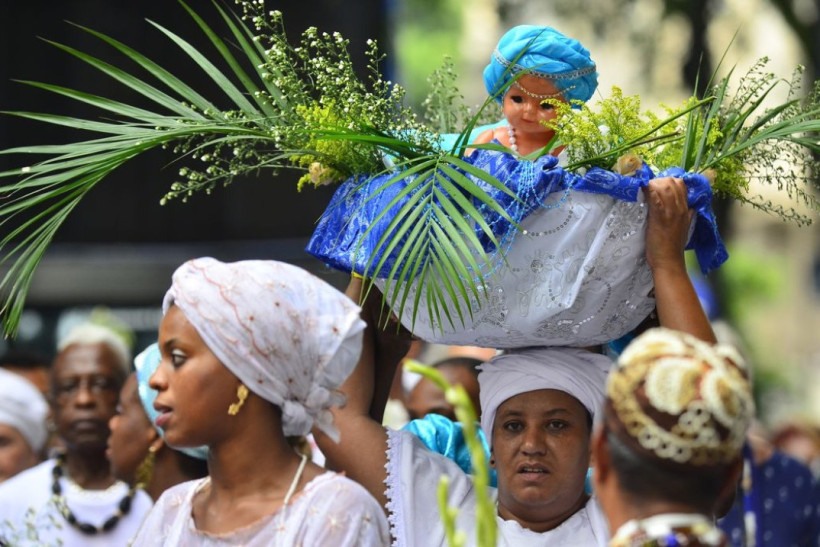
(728, 136)
(304, 107)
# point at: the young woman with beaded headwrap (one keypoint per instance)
(252, 352)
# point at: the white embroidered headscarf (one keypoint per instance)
(24, 408)
(575, 371)
(290, 337)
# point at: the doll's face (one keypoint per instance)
(524, 105)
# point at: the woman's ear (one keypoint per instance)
(156, 444)
(599, 458)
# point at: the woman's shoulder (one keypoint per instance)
(330, 485)
(179, 494)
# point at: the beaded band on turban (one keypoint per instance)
(290, 337)
(145, 364)
(543, 52)
(24, 408)
(679, 400)
(577, 372)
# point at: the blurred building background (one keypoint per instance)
(120, 247)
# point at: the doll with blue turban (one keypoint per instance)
(571, 268)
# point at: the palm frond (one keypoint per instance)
(271, 112)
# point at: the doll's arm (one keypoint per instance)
(483, 138)
(667, 230)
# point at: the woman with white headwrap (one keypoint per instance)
(537, 410)
(23, 433)
(252, 352)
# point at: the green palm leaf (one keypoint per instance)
(436, 246)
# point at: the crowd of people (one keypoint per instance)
(212, 435)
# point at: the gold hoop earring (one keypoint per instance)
(242, 394)
(145, 470)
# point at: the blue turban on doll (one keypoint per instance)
(546, 53)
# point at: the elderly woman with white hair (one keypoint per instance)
(23, 433)
(253, 352)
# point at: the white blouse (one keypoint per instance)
(413, 474)
(331, 510)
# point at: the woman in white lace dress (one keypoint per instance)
(253, 352)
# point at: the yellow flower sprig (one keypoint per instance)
(730, 135)
(486, 530)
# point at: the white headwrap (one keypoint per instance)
(24, 408)
(575, 371)
(290, 337)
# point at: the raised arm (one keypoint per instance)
(361, 451)
(667, 230)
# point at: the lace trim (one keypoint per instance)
(392, 481)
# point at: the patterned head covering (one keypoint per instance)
(679, 400)
(575, 371)
(24, 408)
(146, 363)
(290, 337)
(543, 52)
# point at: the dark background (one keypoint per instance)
(119, 246)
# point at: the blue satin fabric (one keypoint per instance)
(446, 437)
(342, 240)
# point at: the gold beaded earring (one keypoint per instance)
(145, 471)
(242, 394)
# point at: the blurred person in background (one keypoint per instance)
(73, 499)
(801, 441)
(433, 418)
(427, 398)
(777, 503)
(30, 364)
(23, 433)
(136, 448)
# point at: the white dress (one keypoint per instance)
(29, 516)
(413, 474)
(331, 510)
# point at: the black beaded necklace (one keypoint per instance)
(89, 529)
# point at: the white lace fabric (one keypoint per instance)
(331, 510)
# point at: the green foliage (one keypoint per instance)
(597, 137)
(428, 28)
(731, 137)
(304, 107)
(297, 107)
